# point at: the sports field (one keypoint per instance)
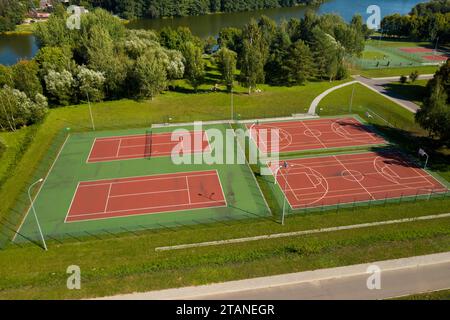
(382, 54)
(327, 133)
(349, 178)
(139, 190)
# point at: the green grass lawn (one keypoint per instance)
(436, 295)
(414, 92)
(129, 263)
(394, 72)
(364, 99)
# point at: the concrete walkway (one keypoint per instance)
(377, 85)
(398, 277)
(316, 101)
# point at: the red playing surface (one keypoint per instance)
(142, 146)
(436, 58)
(340, 179)
(416, 50)
(146, 195)
(314, 134)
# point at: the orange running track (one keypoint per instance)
(124, 197)
(144, 146)
(340, 179)
(314, 134)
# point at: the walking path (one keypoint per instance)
(377, 85)
(398, 277)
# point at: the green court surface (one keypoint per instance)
(382, 55)
(243, 196)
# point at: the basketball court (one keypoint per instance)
(350, 178)
(314, 134)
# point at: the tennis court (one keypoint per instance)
(314, 134)
(146, 145)
(146, 195)
(350, 178)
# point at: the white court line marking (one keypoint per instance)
(148, 208)
(107, 198)
(143, 193)
(188, 191)
(359, 182)
(107, 181)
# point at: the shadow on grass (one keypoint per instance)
(410, 92)
(410, 143)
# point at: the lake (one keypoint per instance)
(16, 47)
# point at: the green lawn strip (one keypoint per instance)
(393, 72)
(364, 99)
(119, 267)
(436, 295)
(414, 92)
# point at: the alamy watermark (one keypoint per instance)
(74, 279)
(226, 147)
(374, 280)
(73, 22)
(374, 20)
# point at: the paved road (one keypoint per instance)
(393, 284)
(379, 85)
(398, 277)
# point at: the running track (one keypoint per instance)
(144, 146)
(332, 180)
(314, 134)
(146, 195)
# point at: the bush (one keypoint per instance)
(403, 79)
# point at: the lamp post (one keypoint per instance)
(285, 165)
(34, 212)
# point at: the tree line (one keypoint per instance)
(105, 60)
(426, 21)
(131, 9)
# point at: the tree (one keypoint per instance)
(103, 56)
(90, 84)
(328, 54)
(17, 110)
(403, 79)
(6, 76)
(434, 116)
(25, 76)
(60, 85)
(226, 60)
(253, 55)
(194, 67)
(151, 75)
(414, 75)
(54, 58)
(300, 64)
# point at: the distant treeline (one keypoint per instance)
(426, 21)
(130, 9)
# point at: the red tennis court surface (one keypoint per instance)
(314, 134)
(349, 178)
(145, 145)
(416, 50)
(144, 195)
(435, 58)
